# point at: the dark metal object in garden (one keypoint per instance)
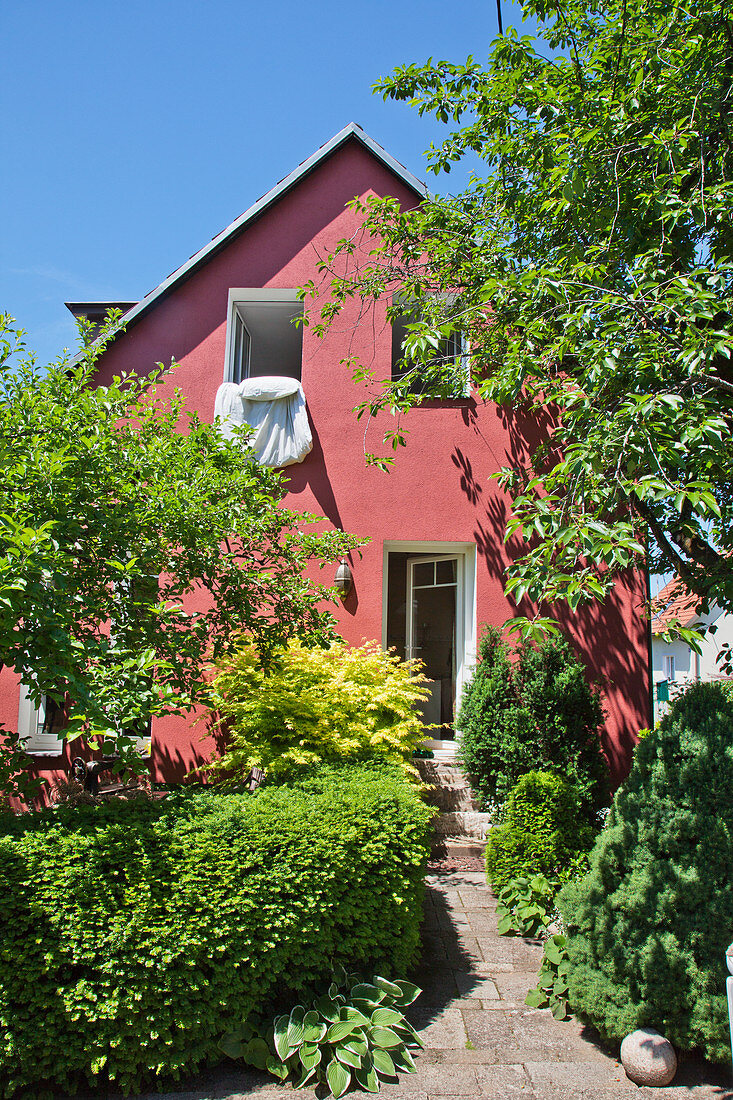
(87, 772)
(254, 780)
(343, 581)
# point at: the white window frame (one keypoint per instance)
(463, 354)
(248, 294)
(466, 608)
(668, 667)
(458, 584)
(239, 361)
(30, 724)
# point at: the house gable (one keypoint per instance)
(275, 244)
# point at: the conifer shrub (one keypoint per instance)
(313, 706)
(542, 831)
(649, 924)
(537, 711)
(133, 935)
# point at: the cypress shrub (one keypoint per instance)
(649, 924)
(543, 831)
(538, 712)
(132, 935)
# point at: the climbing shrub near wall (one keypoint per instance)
(535, 712)
(133, 935)
(649, 925)
(310, 706)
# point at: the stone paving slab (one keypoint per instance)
(482, 1041)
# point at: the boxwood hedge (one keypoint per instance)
(132, 935)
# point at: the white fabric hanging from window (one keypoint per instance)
(275, 408)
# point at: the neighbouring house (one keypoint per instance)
(432, 573)
(675, 664)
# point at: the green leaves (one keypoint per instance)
(649, 924)
(551, 990)
(313, 704)
(385, 1017)
(590, 267)
(526, 905)
(354, 1049)
(383, 1063)
(185, 916)
(340, 1030)
(110, 516)
(384, 1037)
(338, 1077)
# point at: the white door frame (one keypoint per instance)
(465, 611)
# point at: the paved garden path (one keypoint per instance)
(481, 1039)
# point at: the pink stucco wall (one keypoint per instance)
(437, 491)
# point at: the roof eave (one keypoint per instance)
(353, 130)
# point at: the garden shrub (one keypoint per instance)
(542, 831)
(536, 712)
(551, 990)
(649, 924)
(526, 905)
(354, 1038)
(133, 935)
(310, 706)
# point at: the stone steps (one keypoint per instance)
(460, 813)
(446, 847)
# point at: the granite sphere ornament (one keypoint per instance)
(648, 1058)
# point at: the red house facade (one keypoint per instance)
(432, 571)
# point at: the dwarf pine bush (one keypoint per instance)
(313, 706)
(649, 925)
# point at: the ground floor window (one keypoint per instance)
(41, 724)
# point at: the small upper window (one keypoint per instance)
(444, 375)
(264, 335)
(668, 665)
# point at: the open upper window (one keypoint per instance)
(443, 375)
(264, 337)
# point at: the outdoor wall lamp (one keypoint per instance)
(343, 581)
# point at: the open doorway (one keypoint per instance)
(429, 602)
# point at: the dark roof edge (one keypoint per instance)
(353, 130)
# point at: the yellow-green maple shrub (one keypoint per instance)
(313, 706)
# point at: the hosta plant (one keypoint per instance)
(526, 905)
(551, 990)
(343, 1041)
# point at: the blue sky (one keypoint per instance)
(137, 131)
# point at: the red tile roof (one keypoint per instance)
(674, 602)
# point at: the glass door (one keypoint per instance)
(434, 635)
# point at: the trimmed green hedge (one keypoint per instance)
(543, 831)
(133, 934)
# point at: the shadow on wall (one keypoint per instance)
(169, 765)
(609, 637)
(313, 474)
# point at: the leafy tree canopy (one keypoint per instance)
(132, 551)
(590, 270)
